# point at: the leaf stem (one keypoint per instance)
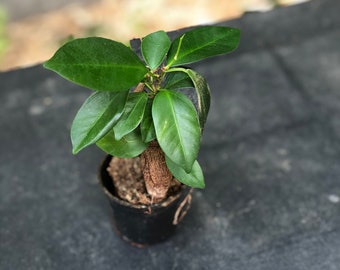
(176, 69)
(149, 86)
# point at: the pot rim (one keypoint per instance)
(168, 201)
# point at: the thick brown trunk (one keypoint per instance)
(157, 176)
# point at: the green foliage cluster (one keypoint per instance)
(136, 101)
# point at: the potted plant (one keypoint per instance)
(139, 115)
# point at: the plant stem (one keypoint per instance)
(157, 176)
(139, 88)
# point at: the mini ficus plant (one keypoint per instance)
(137, 107)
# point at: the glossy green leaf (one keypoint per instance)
(203, 95)
(98, 63)
(96, 117)
(147, 127)
(202, 91)
(132, 115)
(154, 48)
(177, 127)
(194, 178)
(201, 43)
(176, 80)
(131, 145)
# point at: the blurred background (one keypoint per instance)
(31, 30)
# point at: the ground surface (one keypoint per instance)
(270, 153)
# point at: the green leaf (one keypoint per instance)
(154, 48)
(203, 95)
(202, 91)
(201, 43)
(194, 178)
(177, 127)
(132, 115)
(98, 63)
(96, 117)
(147, 127)
(175, 80)
(131, 145)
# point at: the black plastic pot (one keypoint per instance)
(142, 225)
